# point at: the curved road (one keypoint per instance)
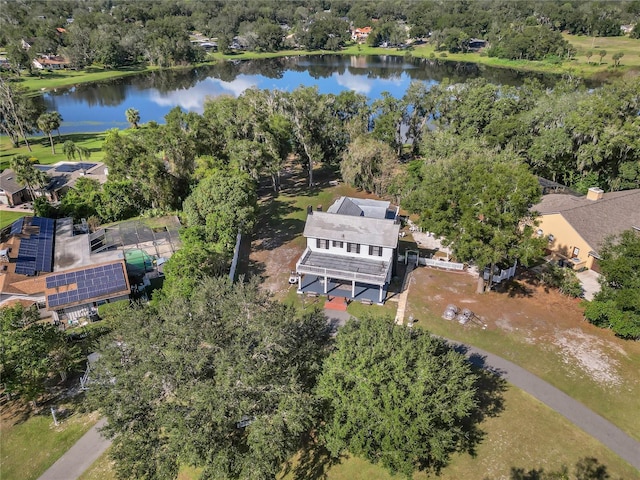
(80, 457)
(592, 423)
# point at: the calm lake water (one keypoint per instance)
(100, 106)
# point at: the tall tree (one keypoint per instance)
(48, 122)
(32, 352)
(479, 201)
(404, 400)
(18, 114)
(369, 164)
(73, 150)
(617, 305)
(222, 380)
(28, 175)
(133, 117)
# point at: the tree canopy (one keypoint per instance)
(617, 305)
(479, 200)
(222, 380)
(396, 396)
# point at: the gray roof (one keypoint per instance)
(345, 263)
(360, 207)
(347, 228)
(595, 220)
(8, 182)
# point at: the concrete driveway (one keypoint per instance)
(590, 283)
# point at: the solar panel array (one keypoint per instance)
(36, 252)
(16, 227)
(90, 283)
(72, 167)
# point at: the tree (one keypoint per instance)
(28, 175)
(18, 113)
(48, 122)
(223, 203)
(72, 150)
(368, 164)
(222, 380)
(616, 58)
(589, 54)
(617, 305)
(133, 117)
(479, 200)
(32, 352)
(602, 54)
(403, 401)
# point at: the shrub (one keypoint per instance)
(564, 279)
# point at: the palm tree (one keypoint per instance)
(133, 117)
(28, 175)
(70, 149)
(58, 120)
(48, 122)
(602, 54)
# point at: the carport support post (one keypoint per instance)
(380, 301)
(353, 289)
(325, 282)
(299, 282)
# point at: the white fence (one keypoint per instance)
(502, 275)
(434, 262)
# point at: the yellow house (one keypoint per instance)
(577, 226)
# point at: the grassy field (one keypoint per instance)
(42, 148)
(8, 217)
(66, 78)
(29, 444)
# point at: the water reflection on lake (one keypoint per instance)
(97, 107)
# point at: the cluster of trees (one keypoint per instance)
(617, 305)
(32, 352)
(235, 383)
(118, 33)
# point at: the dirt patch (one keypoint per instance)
(591, 354)
(531, 314)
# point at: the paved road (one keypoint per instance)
(589, 421)
(79, 457)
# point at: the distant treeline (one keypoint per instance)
(116, 33)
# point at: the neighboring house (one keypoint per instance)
(351, 250)
(476, 44)
(11, 192)
(577, 226)
(50, 62)
(627, 29)
(69, 272)
(64, 175)
(360, 34)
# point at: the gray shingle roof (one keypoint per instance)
(595, 220)
(347, 228)
(8, 182)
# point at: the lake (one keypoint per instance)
(100, 106)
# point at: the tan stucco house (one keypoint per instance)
(577, 226)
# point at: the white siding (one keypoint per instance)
(387, 253)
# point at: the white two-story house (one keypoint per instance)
(351, 250)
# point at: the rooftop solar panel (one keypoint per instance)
(72, 167)
(43, 168)
(90, 283)
(36, 252)
(16, 227)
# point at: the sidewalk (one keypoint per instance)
(79, 457)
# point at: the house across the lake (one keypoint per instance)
(351, 250)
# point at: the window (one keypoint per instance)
(576, 252)
(353, 247)
(321, 243)
(375, 251)
(338, 244)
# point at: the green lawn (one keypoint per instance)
(29, 444)
(41, 148)
(8, 217)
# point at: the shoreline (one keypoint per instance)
(602, 73)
